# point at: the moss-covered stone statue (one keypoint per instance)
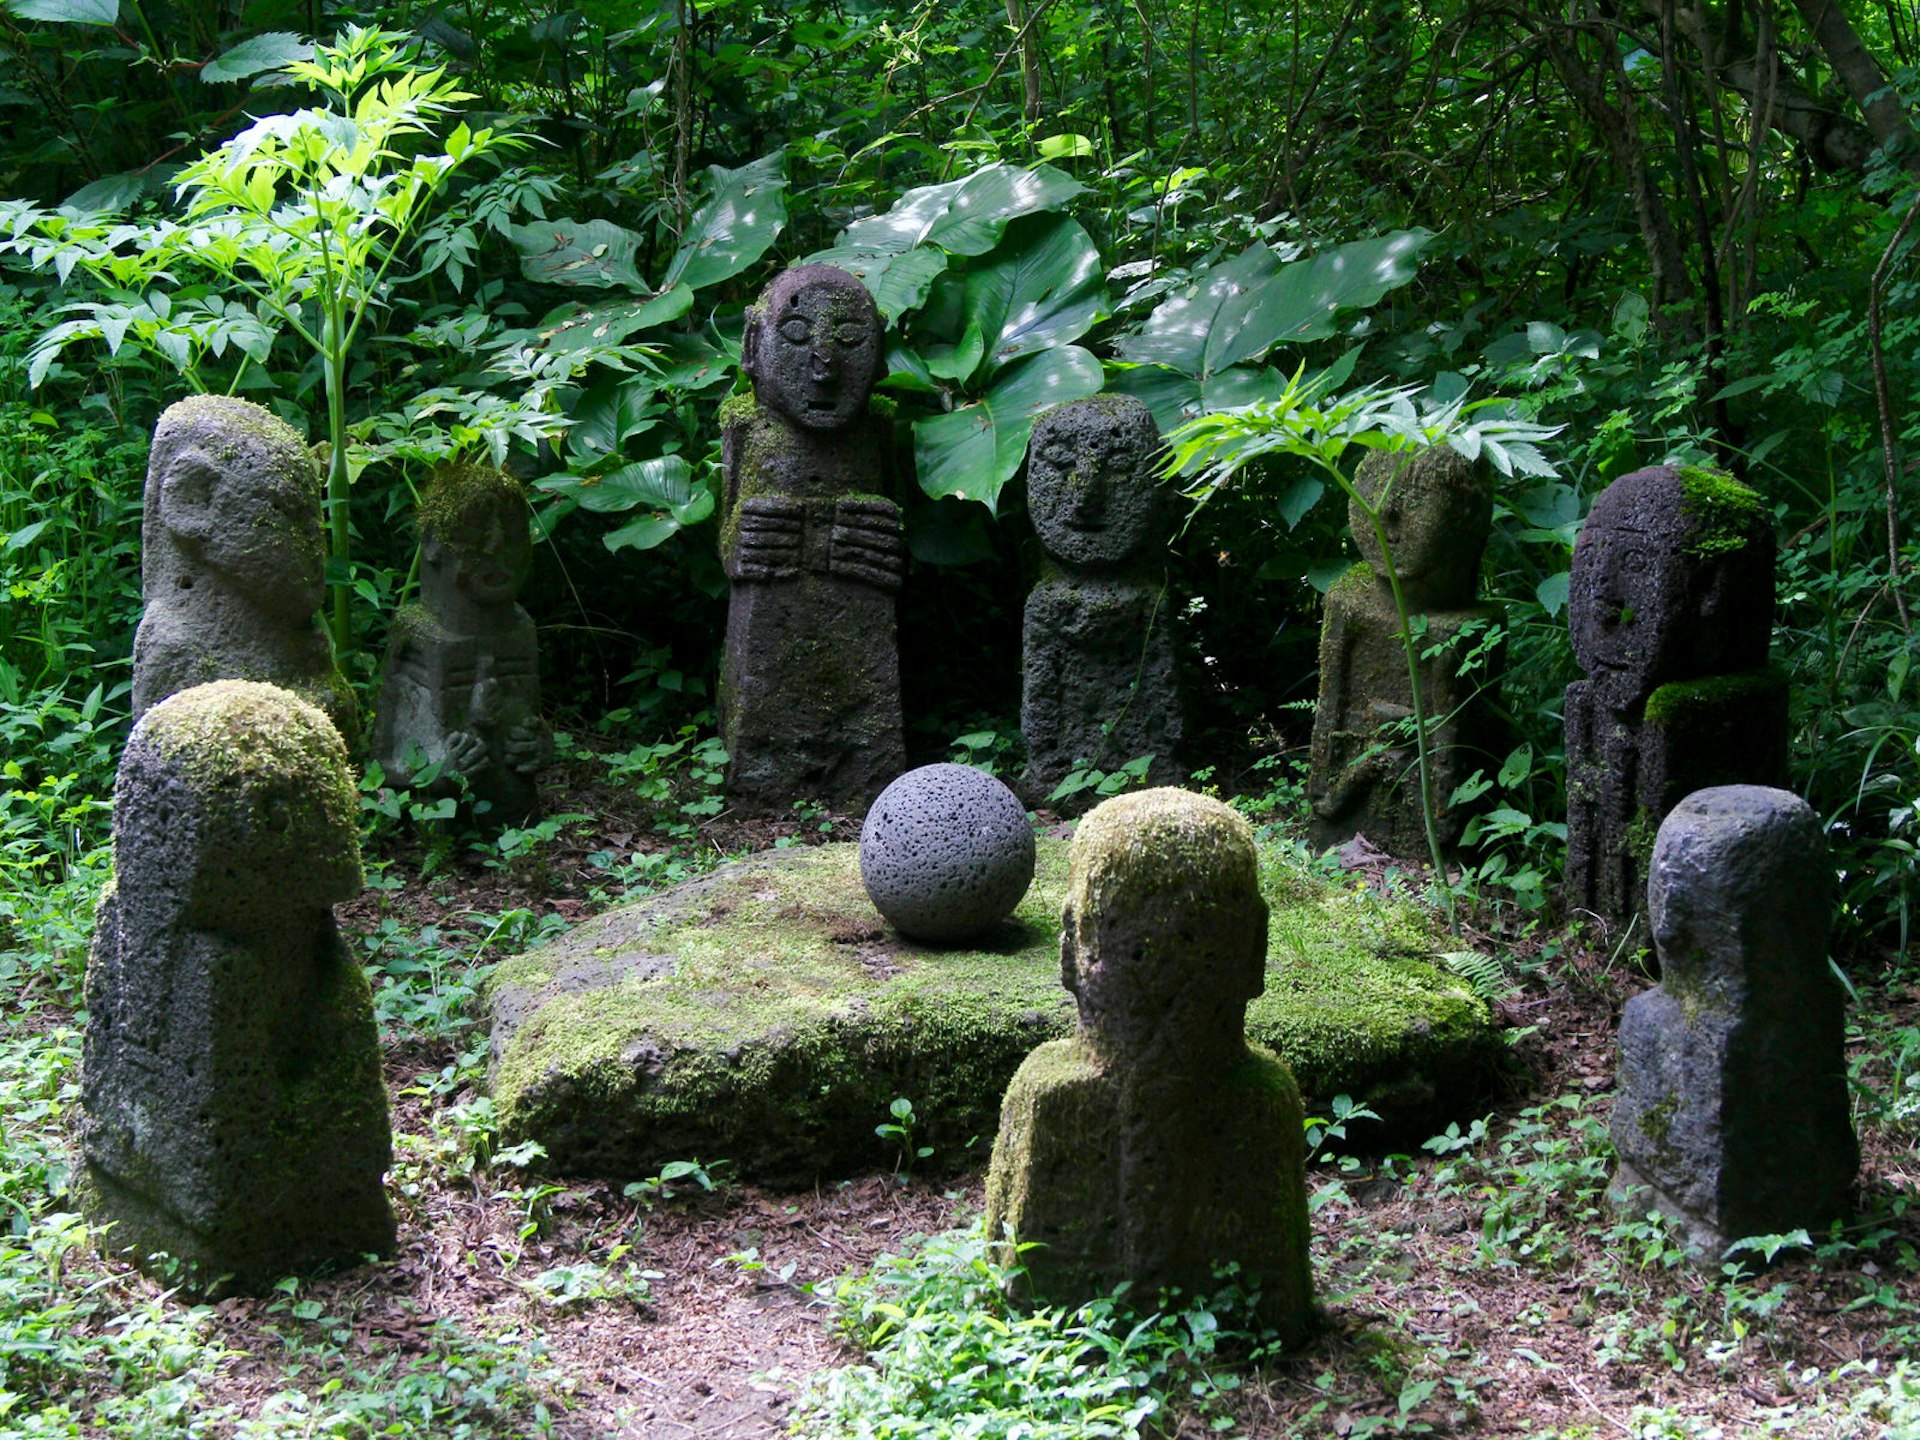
(1671, 607)
(810, 537)
(1100, 685)
(1732, 1113)
(234, 1114)
(461, 690)
(233, 560)
(1363, 778)
(1156, 1144)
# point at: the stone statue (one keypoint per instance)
(1671, 606)
(1732, 1112)
(462, 683)
(810, 686)
(234, 1114)
(1100, 684)
(233, 560)
(1364, 774)
(1156, 1144)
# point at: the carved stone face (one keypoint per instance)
(814, 347)
(1164, 933)
(1646, 606)
(1091, 489)
(482, 556)
(234, 492)
(1436, 516)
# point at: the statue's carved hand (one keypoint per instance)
(525, 747)
(466, 753)
(767, 543)
(866, 544)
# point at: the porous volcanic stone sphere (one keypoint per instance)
(946, 852)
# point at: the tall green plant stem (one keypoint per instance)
(1428, 807)
(1304, 422)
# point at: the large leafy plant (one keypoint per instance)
(988, 289)
(305, 215)
(645, 356)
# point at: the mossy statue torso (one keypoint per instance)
(810, 537)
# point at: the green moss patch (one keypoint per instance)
(766, 1015)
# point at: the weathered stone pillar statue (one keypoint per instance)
(233, 558)
(1100, 685)
(1364, 775)
(462, 682)
(810, 536)
(234, 1114)
(1671, 606)
(1732, 1112)
(1156, 1144)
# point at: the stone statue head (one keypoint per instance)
(1672, 580)
(233, 501)
(236, 799)
(815, 347)
(1739, 883)
(1091, 486)
(475, 545)
(1437, 514)
(1164, 934)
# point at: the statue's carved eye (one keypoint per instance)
(850, 332)
(796, 329)
(1058, 455)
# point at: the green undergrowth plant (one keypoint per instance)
(1304, 422)
(305, 219)
(949, 1356)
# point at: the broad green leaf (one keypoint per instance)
(1044, 288)
(617, 408)
(605, 326)
(1065, 147)
(109, 192)
(737, 225)
(663, 483)
(274, 50)
(964, 217)
(1175, 398)
(973, 451)
(593, 253)
(67, 12)
(1241, 309)
(898, 282)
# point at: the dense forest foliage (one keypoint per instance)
(1674, 232)
(1598, 234)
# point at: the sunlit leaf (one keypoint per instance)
(973, 451)
(743, 216)
(1241, 309)
(274, 50)
(964, 217)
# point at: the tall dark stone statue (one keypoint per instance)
(234, 1113)
(1156, 1144)
(1732, 1112)
(1671, 605)
(233, 560)
(1100, 685)
(810, 536)
(462, 682)
(1364, 779)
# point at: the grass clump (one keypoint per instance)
(948, 1355)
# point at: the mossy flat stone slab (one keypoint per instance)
(766, 1015)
